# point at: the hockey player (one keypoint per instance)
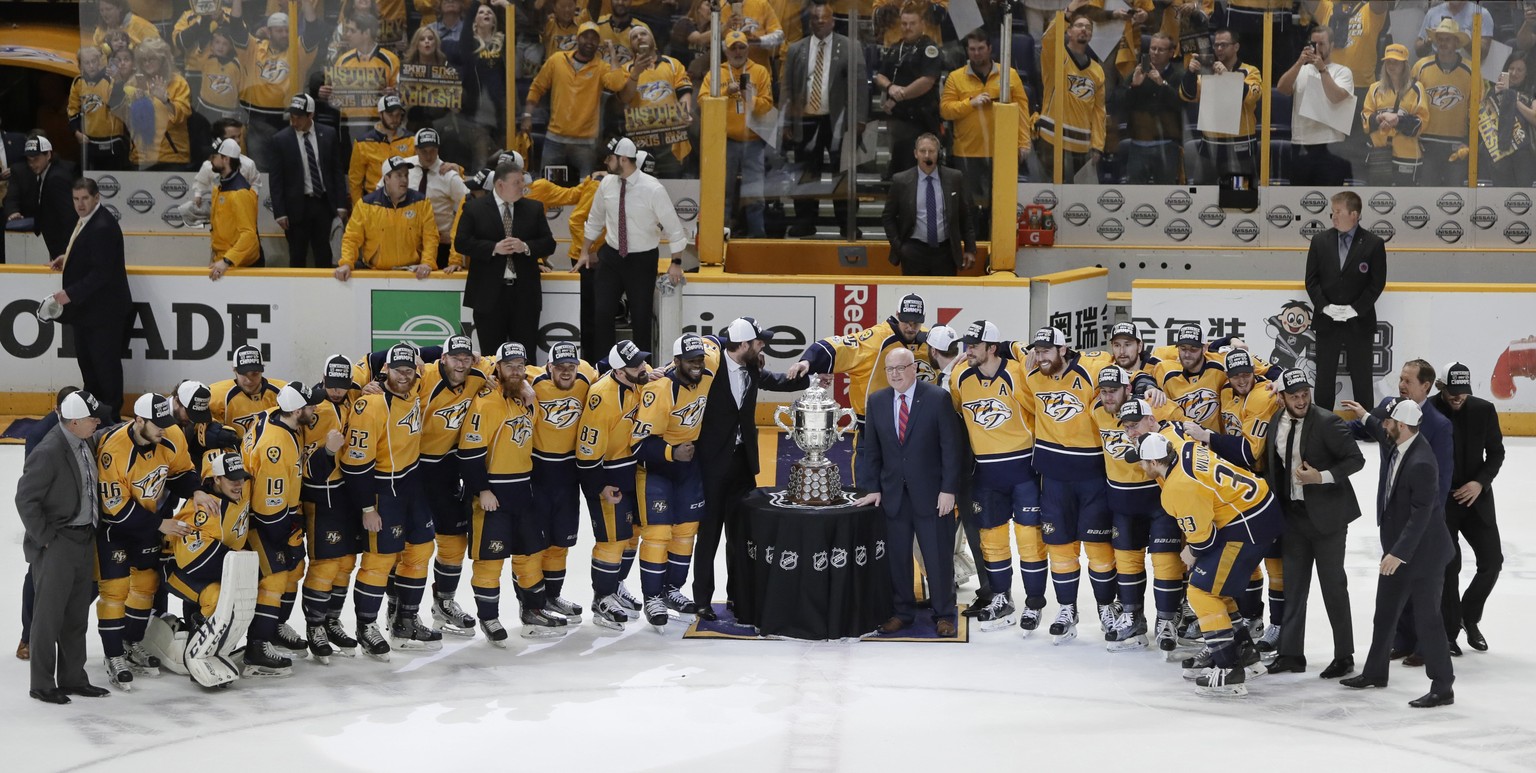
(331, 527)
(670, 485)
(561, 391)
(993, 403)
(237, 400)
(606, 462)
(497, 458)
(1228, 518)
(275, 450)
(139, 464)
(381, 466)
(1139, 522)
(862, 355)
(1193, 380)
(204, 435)
(1068, 456)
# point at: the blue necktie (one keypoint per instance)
(933, 213)
(1343, 248)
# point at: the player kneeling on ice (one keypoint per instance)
(213, 572)
(1229, 519)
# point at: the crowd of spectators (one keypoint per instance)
(160, 80)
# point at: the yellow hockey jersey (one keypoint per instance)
(447, 408)
(862, 356)
(558, 420)
(90, 109)
(135, 480)
(1067, 445)
(231, 405)
(1197, 394)
(1083, 117)
(322, 472)
(219, 89)
(381, 69)
(995, 411)
(1205, 495)
(275, 455)
(672, 413)
(498, 441)
(1247, 417)
(576, 90)
(214, 533)
(383, 443)
(1449, 93)
(1130, 490)
(610, 427)
(1403, 138)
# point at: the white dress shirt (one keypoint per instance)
(817, 48)
(648, 209)
(920, 228)
(206, 179)
(1305, 131)
(309, 145)
(910, 394)
(503, 205)
(1289, 424)
(738, 376)
(1402, 450)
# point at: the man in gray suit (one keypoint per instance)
(56, 498)
(1307, 463)
(929, 226)
(815, 102)
(1416, 546)
(909, 454)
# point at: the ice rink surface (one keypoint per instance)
(648, 701)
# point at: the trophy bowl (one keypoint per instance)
(815, 424)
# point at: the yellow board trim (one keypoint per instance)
(1399, 287)
(1072, 275)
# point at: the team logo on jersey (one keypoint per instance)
(648, 399)
(1444, 97)
(655, 91)
(1199, 405)
(1231, 424)
(333, 538)
(150, 486)
(561, 413)
(90, 103)
(1060, 406)
(199, 518)
(275, 70)
(412, 421)
(691, 414)
(1116, 444)
(358, 406)
(106, 460)
(1081, 87)
(594, 401)
(453, 415)
(522, 429)
(219, 83)
(274, 454)
(860, 555)
(839, 558)
(989, 413)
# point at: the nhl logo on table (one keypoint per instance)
(819, 561)
(839, 558)
(861, 555)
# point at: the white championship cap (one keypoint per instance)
(77, 405)
(1406, 411)
(941, 337)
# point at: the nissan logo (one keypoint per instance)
(116, 214)
(1046, 199)
(108, 186)
(1311, 229)
(1384, 230)
(1111, 200)
(172, 216)
(553, 213)
(1077, 214)
(1111, 229)
(1517, 232)
(1246, 229)
(687, 210)
(1383, 203)
(1144, 215)
(1449, 232)
(1484, 217)
(1177, 229)
(1281, 216)
(1518, 203)
(1213, 216)
(1450, 203)
(174, 186)
(1314, 202)
(1416, 217)
(141, 202)
(1179, 201)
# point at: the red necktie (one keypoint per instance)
(623, 220)
(901, 420)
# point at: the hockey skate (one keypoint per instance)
(1167, 637)
(978, 604)
(1221, 682)
(450, 618)
(119, 673)
(409, 634)
(372, 642)
(627, 600)
(608, 612)
(341, 642)
(1130, 633)
(1255, 626)
(571, 612)
(495, 633)
(262, 661)
(1268, 645)
(139, 659)
(680, 605)
(319, 645)
(539, 624)
(1109, 616)
(656, 613)
(1065, 627)
(1029, 622)
(997, 615)
(1197, 665)
(1248, 659)
(290, 643)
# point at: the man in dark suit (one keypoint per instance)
(727, 451)
(56, 498)
(1307, 463)
(1346, 272)
(926, 221)
(309, 189)
(12, 151)
(40, 190)
(1416, 547)
(909, 454)
(507, 242)
(1478, 453)
(95, 300)
(815, 101)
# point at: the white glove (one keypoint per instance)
(1339, 312)
(49, 309)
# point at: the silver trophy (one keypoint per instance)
(815, 426)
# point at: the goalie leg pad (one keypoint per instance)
(208, 647)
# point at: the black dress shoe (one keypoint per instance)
(1414, 661)
(52, 695)
(1455, 648)
(1400, 654)
(1432, 699)
(1361, 682)
(1475, 637)
(1339, 667)
(981, 602)
(1287, 664)
(87, 691)
(707, 612)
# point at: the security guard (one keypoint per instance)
(391, 227)
(908, 82)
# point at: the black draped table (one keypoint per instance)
(812, 573)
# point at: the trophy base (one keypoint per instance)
(815, 485)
